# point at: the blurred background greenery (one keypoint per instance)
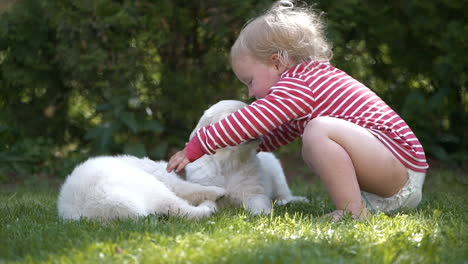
(87, 77)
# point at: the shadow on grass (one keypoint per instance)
(30, 230)
(30, 227)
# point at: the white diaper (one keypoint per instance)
(408, 197)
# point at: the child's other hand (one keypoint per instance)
(178, 161)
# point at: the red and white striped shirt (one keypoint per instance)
(304, 92)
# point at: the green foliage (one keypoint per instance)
(433, 233)
(113, 76)
(411, 54)
(25, 158)
(135, 76)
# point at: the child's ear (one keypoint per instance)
(276, 60)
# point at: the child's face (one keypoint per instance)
(258, 77)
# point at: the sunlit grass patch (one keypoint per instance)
(30, 232)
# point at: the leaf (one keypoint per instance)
(436, 213)
(152, 126)
(92, 133)
(102, 135)
(129, 120)
(136, 149)
(159, 152)
(104, 138)
(104, 107)
(439, 152)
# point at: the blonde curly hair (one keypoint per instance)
(296, 34)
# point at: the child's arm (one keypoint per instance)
(288, 100)
(281, 136)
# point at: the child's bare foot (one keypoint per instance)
(337, 215)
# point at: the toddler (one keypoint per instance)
(364, 153)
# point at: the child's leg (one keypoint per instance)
(348, 159)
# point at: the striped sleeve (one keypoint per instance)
(289, 99)
(278, 137)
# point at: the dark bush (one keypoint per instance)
(107, 76)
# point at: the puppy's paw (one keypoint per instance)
(299, 199)
(282, 202)
(292, 199)
(259, 204)
(210, 204)
(214, 193)
(260, 211)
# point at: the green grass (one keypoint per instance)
(30, 232)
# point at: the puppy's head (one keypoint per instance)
(218, 112)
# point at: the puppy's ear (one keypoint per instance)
(217, 112)
(205, 120)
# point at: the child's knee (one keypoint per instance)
(315, 132)
(315, 128)
(311, 138)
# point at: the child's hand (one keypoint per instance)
(178, 161)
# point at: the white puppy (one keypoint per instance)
(251, 179)
(111, 187)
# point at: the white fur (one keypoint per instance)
(251, 179)
(111, 187)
